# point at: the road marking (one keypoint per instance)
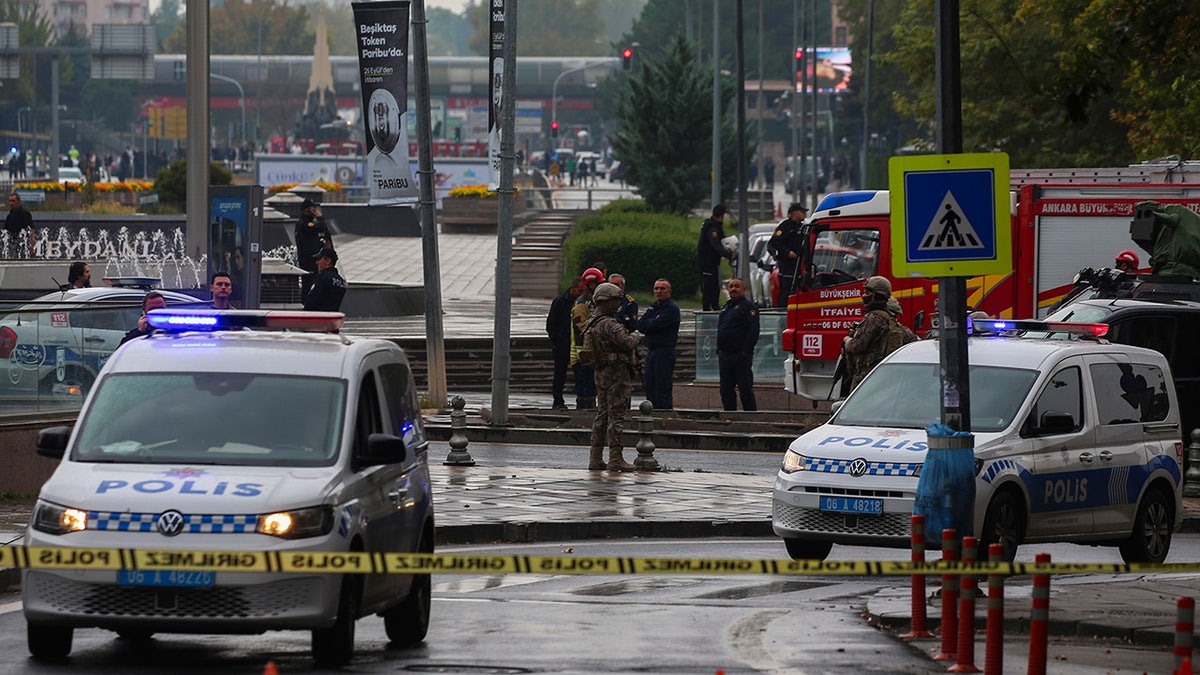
(10, 607)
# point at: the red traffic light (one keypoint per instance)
(554, 126)
(628, 53)
(627, 59)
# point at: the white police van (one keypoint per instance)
(1075, 441)
(235, 435)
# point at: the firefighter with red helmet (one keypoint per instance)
(1128, 262)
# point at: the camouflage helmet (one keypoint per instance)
(878, 285)
(606, 291)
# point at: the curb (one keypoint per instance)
(663, 440)
(1162, 635)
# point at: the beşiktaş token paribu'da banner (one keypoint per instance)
(382, 33)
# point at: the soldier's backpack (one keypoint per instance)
(587, 352)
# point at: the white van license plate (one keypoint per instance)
(172, 579)
(851, 505)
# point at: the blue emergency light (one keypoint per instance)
(181, 319)
(976, 326)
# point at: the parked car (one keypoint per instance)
(70, 175)
(303, 448)
(1074, 440)
(55, 345)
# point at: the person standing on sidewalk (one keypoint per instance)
(786, 245)
(558, 329)
(660, 325)
(613, 353)
(19, 220)
(581, 312)
(737, 334)
(709, 251)
(628, 313)
(312, 235)
(327, 293)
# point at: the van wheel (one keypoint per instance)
(1004, 524)
(1151, 537)
(808, 549)
(408, 622)
(333, 647)
(49, 643)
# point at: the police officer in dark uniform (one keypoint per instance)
(327, 293)
(312, 235)
(737, 334)
(786, 245)
(710, 250)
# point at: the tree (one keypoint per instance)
(235, 26)
(665, 138)
(165, 20)
(171, 181)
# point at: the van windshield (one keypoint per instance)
(213, 418)
(907, 395)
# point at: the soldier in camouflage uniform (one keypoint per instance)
(613, 347)
(877, 335)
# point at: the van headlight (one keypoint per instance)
(793, 462)
(297, 524)
(55, 519)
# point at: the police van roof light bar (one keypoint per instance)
(175, 319)
(1097, 330)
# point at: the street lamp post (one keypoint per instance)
(554, 96)
(241, 99)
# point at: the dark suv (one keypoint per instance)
(1168, 327)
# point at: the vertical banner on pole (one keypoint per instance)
(495, 77)
(382, 32)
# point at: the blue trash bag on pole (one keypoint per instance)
(946, 490)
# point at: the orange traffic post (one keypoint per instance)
(1039, 619)
(920, 627)
(949, 599)
(1185, 613)
(965, 649)
(993, 651)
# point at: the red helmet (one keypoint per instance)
(592, 274)
(1130, 257)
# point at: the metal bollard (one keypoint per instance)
(965, 649)
(645, 446)
(1185, 613)
(949, 599)
(1039, 620)
(993, 651)
(920, 628)
(459, 455)
(1191, 477)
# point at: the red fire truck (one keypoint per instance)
(1062, 221)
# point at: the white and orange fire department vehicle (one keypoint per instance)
(1062, 221)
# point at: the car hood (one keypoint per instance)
(876, 444)
(202, 489)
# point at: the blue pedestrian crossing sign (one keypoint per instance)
(950, 215)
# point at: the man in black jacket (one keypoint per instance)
(786, 245)
(558, 328)
(709, 250)
(660, 325)
(327, 293)
(312, 235)
(737, 335)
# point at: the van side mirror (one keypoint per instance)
(382, 449)
(52, 442)
(919, 320)
(1054, 422)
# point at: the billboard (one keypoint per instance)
(833, 70)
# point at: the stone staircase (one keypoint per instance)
(538, 254)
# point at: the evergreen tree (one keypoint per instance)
(665, 134)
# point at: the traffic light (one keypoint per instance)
(627, 59)
(554, 129)
(799, 62)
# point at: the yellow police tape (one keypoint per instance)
(31, 557)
